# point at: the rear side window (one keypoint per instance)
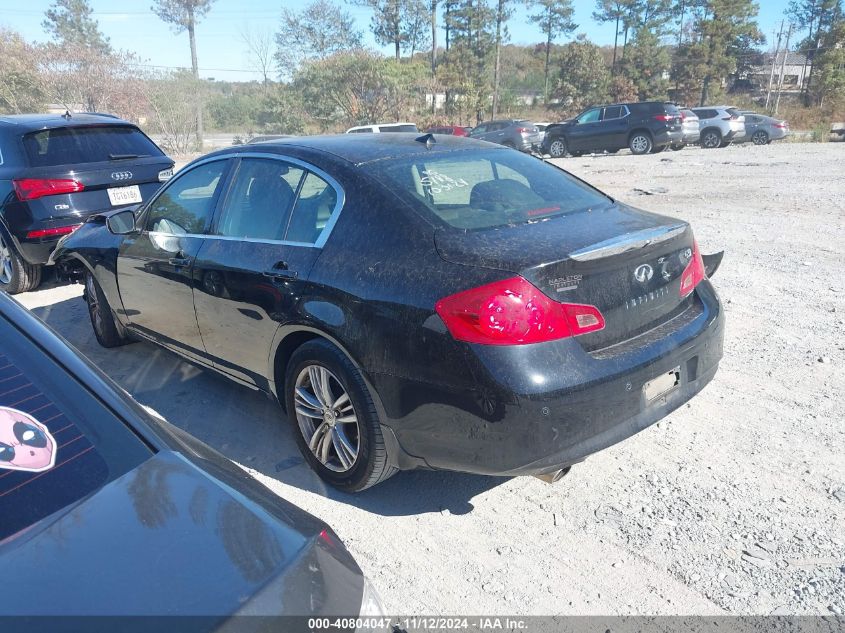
(57, 443)
(612, 112)
(315, 205)
(705, 114)
(186, 205)
(90, 144)
(485, 189)
(260, 199)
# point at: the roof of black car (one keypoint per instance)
(363, 148)
(29, 122)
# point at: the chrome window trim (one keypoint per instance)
(324, 235)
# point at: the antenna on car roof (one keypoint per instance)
(427, 139)
(67, 114)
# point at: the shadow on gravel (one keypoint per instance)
(247, 426)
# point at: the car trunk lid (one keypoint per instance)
(625, 262)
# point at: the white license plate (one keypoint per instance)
(124, 195)
(662, 385)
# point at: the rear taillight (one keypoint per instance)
(524, 130)
(32, 188)
(514, 312)
(54, 232)
(693, 273)
(781, 125)
(664, 117)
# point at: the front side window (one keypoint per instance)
(259, 202)
(484, 189)
(187, 204)
(590, 116)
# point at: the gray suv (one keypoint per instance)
(720, 126)
(517, 134)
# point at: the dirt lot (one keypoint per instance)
(735, 503)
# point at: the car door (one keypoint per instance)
(480, 132)
(613, 129)
(752, 124)
(580, 136)
(253, 269)
(155, 270)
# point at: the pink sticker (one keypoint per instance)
(25, 443)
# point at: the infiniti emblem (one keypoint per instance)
(644, 273)
(121, 175)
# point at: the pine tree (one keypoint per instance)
(555, 19)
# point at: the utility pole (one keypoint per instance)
(774, 62)
(783, 67)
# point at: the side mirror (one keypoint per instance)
(122, 222)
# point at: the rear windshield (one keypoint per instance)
(398, 128)
(57, 443)
(482, 189)
(90, 144)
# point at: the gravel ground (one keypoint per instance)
(733, 504)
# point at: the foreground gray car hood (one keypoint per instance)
(169, 539)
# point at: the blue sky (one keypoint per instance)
(132, 25)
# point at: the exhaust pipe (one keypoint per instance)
(554, 476)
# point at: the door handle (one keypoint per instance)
(280, 270)
(179, 260)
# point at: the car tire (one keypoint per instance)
(557, 148)
(107, 330)
(16, 274)
(316, 373)
(640, 143)
(760, 137)
(711, 139)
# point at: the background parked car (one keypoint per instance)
(94, 487)
(383, 127)
(720, 126)
(761, 129)
(57, 170)
(452, 130)
(642, 127)
(691, 129)
(514, 133)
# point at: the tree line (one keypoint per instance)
(449, 61)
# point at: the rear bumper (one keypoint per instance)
(668, 137)
(540, 408)
(690, 138)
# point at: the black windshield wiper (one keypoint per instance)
(125, 156)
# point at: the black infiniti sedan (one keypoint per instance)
(107, 510)
(412, 301)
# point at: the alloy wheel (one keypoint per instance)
(93, 304)
(557, 149)
(6, 266)
(327, 418)
(711, 140)
(640, 144)
(760, 138)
